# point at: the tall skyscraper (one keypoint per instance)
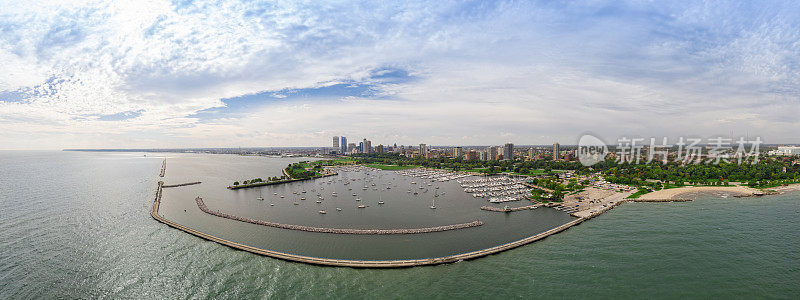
(556, 151)
(530, 153)
(423, 150)
(344, 145)
(336, 143)
(508, 151)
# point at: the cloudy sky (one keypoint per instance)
(112, 74)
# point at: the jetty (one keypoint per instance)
(163, 168)
(181, 184)
(510, 209)
(205, 209)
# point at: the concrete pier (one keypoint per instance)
(163, 168)
(510, 209)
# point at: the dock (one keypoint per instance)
(510, 209)
(163, 168)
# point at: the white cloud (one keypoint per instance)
(483, 73)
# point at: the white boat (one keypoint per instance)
(260, 197)
(362, 206)
(272, 204)
(338, 209)
(323, 212)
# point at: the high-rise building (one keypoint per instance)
(366, 146)
(344, 145)
(379, 148)
(508, 151)
(423, 150)
(483, 155)
(531, 153)
(458, 152)
(352, 148)
(556, 151)
(491, 153)
(336, 143)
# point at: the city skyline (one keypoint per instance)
(104, 75)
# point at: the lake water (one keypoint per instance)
(77, 225)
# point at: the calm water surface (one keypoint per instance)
(77, 225)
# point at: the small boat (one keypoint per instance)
(318, 201)
(358, 199)
(433, 203)
(296, 203)
(281, 196)
(275, 194)
(380, 202)
(362, 206)
(338, 209)
(303, 198)
(323, 212)
(272, 204)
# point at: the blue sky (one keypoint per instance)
(128, 74)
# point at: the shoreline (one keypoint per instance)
(674, 193)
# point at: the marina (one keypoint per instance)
(392, 218)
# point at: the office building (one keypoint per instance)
(344, 145)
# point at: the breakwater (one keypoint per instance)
(510, 209)
(163, 168)
(181, 184)
(205, 209)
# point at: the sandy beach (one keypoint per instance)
(674, 193)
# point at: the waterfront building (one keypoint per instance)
(556, 151)
(458, 152)
(508, 151)
(344, 145)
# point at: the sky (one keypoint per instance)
(174, 74)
